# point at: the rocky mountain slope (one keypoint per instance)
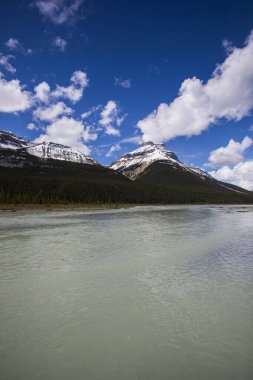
(10, 141)
(154, 163)
(59, 152)
(134, 164)
(44, 150)
(50, 173)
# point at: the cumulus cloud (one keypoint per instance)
(229, 155)
(42, 92)
(59, 11)
(15, 45)
(67, 131)
(114, 148)
(125, 83)
(74, 92)
(89, 133)
(4, 62)
(110, 119)
(59, 43)
(228, 95)
(13, 98)
(240, 175)
(52, 112)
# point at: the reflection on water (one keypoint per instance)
(141, 293)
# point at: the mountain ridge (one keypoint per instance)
(9, 140)
(55, 173)
(133, 164)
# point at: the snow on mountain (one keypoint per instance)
(147, 153)
(44, 150)
(9, 141)
(134, 163)
(59, 152)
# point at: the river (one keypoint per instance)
(145, 293)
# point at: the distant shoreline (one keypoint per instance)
(61, 207)
(105, 206)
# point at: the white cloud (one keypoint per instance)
(89, 134)
(12, 96)
(42, 92)
(125, 83)
(113, 149)
(52, 112)
(111, 131)
(229, 155)
(240, 175)
(228, 94)
(79, 78)
(79, 81)
(59, 11)
(73, 92)
(132, 140)
(32, 127)
(15, 45)
(4, 62)
(109, 118)
(120, 120)
(67, 131)
(87, 114)
(12, 43)
(228, 46)
(60, 43)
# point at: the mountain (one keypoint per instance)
(10, 141)
(134, 164)
(154, 163)
(59, 152)
(50, 173)
(44, 150)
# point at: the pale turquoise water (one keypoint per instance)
(152, 293)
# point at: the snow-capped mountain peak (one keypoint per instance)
(44, 150)
(131, 164)
(153, 152)
(10, 141)
(135, 163)
(59, 152)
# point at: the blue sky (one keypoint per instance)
(91, 72)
